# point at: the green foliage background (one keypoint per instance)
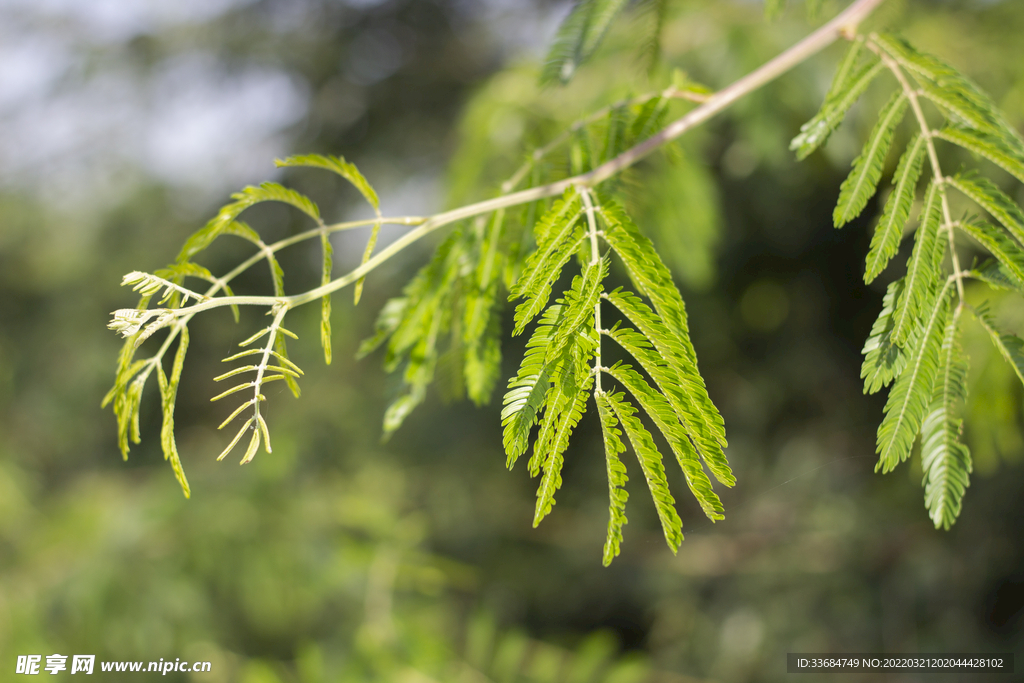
(341, 558)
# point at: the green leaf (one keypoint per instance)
(222, 223)
(996, 275)
(957, 95)
(558, 237)
(886, 240)
(989, 197)
(617, 494)
(683, 384)
(281, 351)
(527, 390)
(945, 460)
(578, 37)
(578, 306)
(569, 415)
(651, 465)
(992, 147)
(999, 245)
(848, 85)
(568, 373)
(862, 182)
(1010, 346)
(168, 396)
(883, 359)
(338, 165)
(911, 394)
(922, 269)
(665, 418)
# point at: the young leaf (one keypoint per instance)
(578, 306)
(338, 165)
(651, 465)
(617, 494)
(168, 396)
(862, 182)
(886, 240)
(946, 462)
(922, 270)
(911, 394)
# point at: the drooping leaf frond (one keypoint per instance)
(617, 494)
(680, 381)
(651, 465)
(911, 394)
(862, 182)
(665, 418)
(481, 324)
(886, 240)
(945, 460)
(578, 37)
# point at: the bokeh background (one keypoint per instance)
(125, 124)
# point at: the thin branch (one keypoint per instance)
(595, 256)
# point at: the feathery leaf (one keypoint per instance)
(911, 394)
(992, 147)
(862, 182)
(168, 396)
(985, 194)
(664, 417)
(617, 494)
(886, 240)
(922, 269)
(528, 389)
(1008, 253)
(885, 360)
(945, 460)
(650, 463)
(338, 165)
(679, 379)
(848, 85)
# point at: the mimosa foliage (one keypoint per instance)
(913, 344)
(554, 251)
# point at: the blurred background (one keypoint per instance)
(127, 123)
